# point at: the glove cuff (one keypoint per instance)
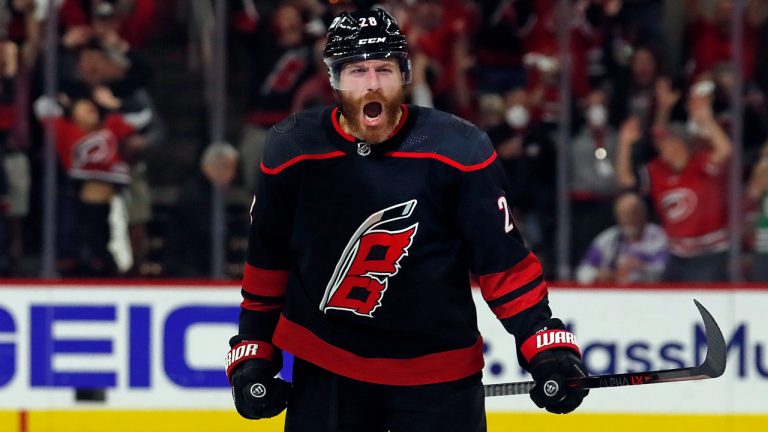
(248, 350)
(549, 339)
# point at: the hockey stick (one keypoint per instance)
(712, 367)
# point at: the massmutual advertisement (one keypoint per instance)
(156, 348)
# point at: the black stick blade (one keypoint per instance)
(714, 362)
(712, 367)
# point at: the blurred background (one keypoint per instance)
(633, 131)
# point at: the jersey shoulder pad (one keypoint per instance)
(452, 139)
(295, 138)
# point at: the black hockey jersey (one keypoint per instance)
(360, 256)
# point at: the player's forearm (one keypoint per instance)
(255, 325)
(522, 324)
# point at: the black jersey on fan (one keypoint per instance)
(360, 256)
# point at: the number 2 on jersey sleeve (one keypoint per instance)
(503, 206)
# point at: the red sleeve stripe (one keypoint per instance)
(525, 289)
(298, 159)
(496, 285)
(256, 306)
(444, 159)
(263, 282)
(521, 303)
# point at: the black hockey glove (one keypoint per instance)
(553, 356)
(251, 369)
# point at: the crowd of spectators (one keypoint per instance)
(649, 149)
(103, 117)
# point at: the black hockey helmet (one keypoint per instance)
(365, 35)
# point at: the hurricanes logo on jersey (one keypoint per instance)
(371, 257)
(677, 204)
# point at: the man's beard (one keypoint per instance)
(352, 110)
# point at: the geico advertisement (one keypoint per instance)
(163, 347)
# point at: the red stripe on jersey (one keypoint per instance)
(496, 285)
(263, 282)
(400, 123)
(445, 159)
(427, 369)
(260, 307)
(337, 126)
(298, 159)
(521, 303)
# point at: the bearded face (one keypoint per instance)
(370, 97)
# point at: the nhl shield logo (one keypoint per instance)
(371, 257)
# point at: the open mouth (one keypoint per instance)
(372, 113)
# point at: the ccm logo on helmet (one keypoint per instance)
(241, 351)
(371, 41)
(550, 338)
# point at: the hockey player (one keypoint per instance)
(368, 220)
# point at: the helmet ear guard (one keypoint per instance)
(361, 36)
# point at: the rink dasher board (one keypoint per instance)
(160, 346)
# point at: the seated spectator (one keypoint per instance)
(687, 183)
(632, 251)
(757, 193)
(189, 242)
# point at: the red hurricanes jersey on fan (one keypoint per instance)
(93, 155)
(359, 257)
(691, 204)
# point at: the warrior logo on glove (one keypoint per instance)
(258, 390)
(370, 258)
(551, 387)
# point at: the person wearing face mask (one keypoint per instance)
(631, 251)
(593, 184)
(527, 155)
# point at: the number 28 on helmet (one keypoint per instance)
(361, 36)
